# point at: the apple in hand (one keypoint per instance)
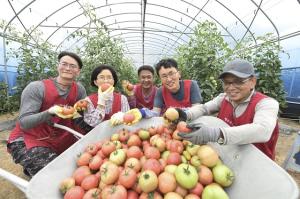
(171, 114)
(105, 86)
(128, 118)
(130, 87)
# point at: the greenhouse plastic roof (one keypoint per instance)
(152, 29)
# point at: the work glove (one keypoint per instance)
(201, 134)
(104, 96)
(116, 118)
(53, 110)
(57, 110)
(125, 83)
(182, 115)
(138, 115)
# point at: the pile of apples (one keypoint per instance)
(148, 163)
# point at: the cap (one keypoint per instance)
(238, 67)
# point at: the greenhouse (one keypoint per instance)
(217, 46)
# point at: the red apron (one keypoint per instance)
(116, 105)
(171, 102)
(226, 114)
(140, 101)
(43, 134)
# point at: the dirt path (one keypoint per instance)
(9, 191)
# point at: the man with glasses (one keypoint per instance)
(142, 94)
(251, 115)
(174, 92)
(34, 143)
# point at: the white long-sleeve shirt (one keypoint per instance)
(260, 130)
(95, 115)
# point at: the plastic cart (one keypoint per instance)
(257, 177)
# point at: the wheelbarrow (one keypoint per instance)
(256, 176)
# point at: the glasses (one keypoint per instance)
(65, 65)
(103, 78)
(169, 75)
(235, 83)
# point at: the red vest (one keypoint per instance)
(140, 101)
(226, 114)
(43, 134)
(116, 106)
(171, 102)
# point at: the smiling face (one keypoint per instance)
(170, 78)
(146, 79)
(68, 68)
(238, 89)
(105, 76)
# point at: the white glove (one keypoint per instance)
(116, 118)
(54, 109)
(104, 96)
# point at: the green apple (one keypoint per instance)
(165, 155)
(195, 161)
(183, 159)
(160, 144)
(223, 175)
(143, 134)
(214, 191)
(187, 155)
(118, 144)
(148, 181)
(171, 168)
(192, 149)
(186, 176)
(114, 137)
(118, 156)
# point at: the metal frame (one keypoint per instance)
(143, 28)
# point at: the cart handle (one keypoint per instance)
(75, 133)
(17, 181)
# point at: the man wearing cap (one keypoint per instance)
(251, 115)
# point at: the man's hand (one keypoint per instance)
(116, 119)
(125, 84)
(137, 115)
(182, 115)
(201, 134)
(54, 110)
(59, 112)
(104, 96)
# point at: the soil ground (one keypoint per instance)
(9, 191)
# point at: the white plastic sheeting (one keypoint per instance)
(152, 29)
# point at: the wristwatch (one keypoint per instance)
(221, 139)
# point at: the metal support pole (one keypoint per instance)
(5, 65)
